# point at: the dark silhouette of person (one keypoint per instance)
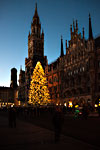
(85, 111)
(10, 117)
(14, 117)
(58, 121)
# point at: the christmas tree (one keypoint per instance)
(38, 92)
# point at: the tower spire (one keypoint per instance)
(36, 12)
(90, 29)
(36, 9)
(71, 31)
(20, 67)
(76, 27)
(62, 52)
(83, 32)
(36, 25)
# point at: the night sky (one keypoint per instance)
(56, 16)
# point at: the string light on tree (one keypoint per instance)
(38, 92)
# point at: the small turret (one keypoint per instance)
(36, 25)
(42, 34)
(62, 52)
(66, 44)
(36, 13)
(71, 31)
(76, 27)
(83, 33)
(66, 47)
(90, 29)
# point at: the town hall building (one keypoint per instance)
(73, 77)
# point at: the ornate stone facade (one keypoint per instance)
(35, 54)
(74, 76)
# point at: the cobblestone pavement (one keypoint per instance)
(27, 136)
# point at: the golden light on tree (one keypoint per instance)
(38, 92)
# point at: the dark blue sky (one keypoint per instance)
(55, 16)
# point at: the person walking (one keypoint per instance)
(10, 117)
(58, 122)
(14, 117)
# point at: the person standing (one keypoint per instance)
(14, 117)
(10, 117)
(58, 122)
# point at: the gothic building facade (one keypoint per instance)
(35, 54)
(74, 76)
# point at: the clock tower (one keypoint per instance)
(35, 49)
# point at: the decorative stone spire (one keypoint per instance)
(66, 44)
(83, 32)
(36, 13)
(76, 27)
(71, 31)
(42, 34)
(73, 25)
(62, 52)
(66, 47)
(36, 25)
(90, 29)
(36, 19)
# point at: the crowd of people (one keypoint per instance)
(58, 114)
